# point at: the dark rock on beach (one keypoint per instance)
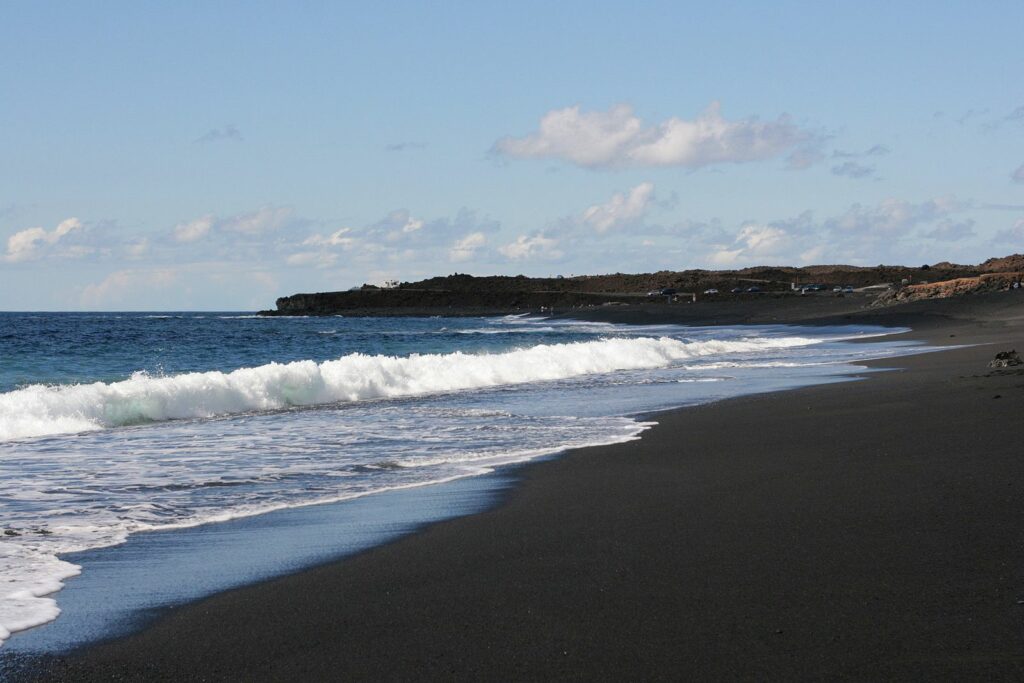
(1005, 359)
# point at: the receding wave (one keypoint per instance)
(40, 410)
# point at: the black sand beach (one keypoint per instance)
(867, 529)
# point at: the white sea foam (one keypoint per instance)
(96, 488)
(30, 576)
(41, 410)
(31, 571)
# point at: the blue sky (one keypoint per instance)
(191, 156)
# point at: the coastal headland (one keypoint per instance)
(863, 530)
(467, 295)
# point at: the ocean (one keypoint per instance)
(117, 425)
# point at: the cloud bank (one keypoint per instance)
(620, 210)
(32, 243)
(617, 138)
(530, 247)
(893, 228)
(467, 247)
(252, 224)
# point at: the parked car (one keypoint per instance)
(848, 289)
(711, 291)
(736, 290)
(753, 289)
(837, 288)
(667, 291)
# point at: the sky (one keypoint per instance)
(216, 156)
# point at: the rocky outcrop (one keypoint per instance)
(1006, 359)
(988, 282)
(1006, 264)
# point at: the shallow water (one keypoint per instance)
(122, 423)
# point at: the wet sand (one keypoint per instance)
(869, 529)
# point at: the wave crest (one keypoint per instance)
(40, 410)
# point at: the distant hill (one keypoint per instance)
(462, 294)
(1005, 264)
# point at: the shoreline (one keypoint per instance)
(121, 586)
(227, 655)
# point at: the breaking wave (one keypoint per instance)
(41, 410)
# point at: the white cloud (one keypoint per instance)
(266, 219)
(530, 247)
(620, 210)
(753, 242)
(762, 239)
(586, 139)
(891, 230)
(338, 238)
(466, 248)
(137, 248)
(29, 243)
(617, 138)
(398, 238)
(253, 224)
(724, 257)
(398, 225)
(401, 230)
(892, 216)
(194, 230)
(466, 221)
(813, 255)
(325, 254)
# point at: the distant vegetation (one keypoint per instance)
(468, 294)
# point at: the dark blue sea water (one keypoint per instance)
(116, 424)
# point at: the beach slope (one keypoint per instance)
(868, 529)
